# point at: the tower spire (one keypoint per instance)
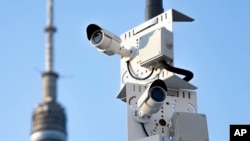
(49, 76)
(49, 119)
(50, 30)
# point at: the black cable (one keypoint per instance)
(188, 74)
(137, 78)
(144, 129)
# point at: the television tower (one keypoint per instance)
(49, 119)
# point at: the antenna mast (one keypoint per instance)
(50, 30)
(49, 76)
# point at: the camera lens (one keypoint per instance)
(97, 37)
(157, 94)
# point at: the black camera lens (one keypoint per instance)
(97, 37)
(157, 94)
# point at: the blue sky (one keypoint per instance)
(216, 47)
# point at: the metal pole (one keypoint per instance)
(153, 8)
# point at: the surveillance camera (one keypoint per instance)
(152, 99)
(106, 41)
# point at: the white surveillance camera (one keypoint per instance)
(106, 41)
(152, 99)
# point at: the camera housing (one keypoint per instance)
(106, 41)
(152, 99)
